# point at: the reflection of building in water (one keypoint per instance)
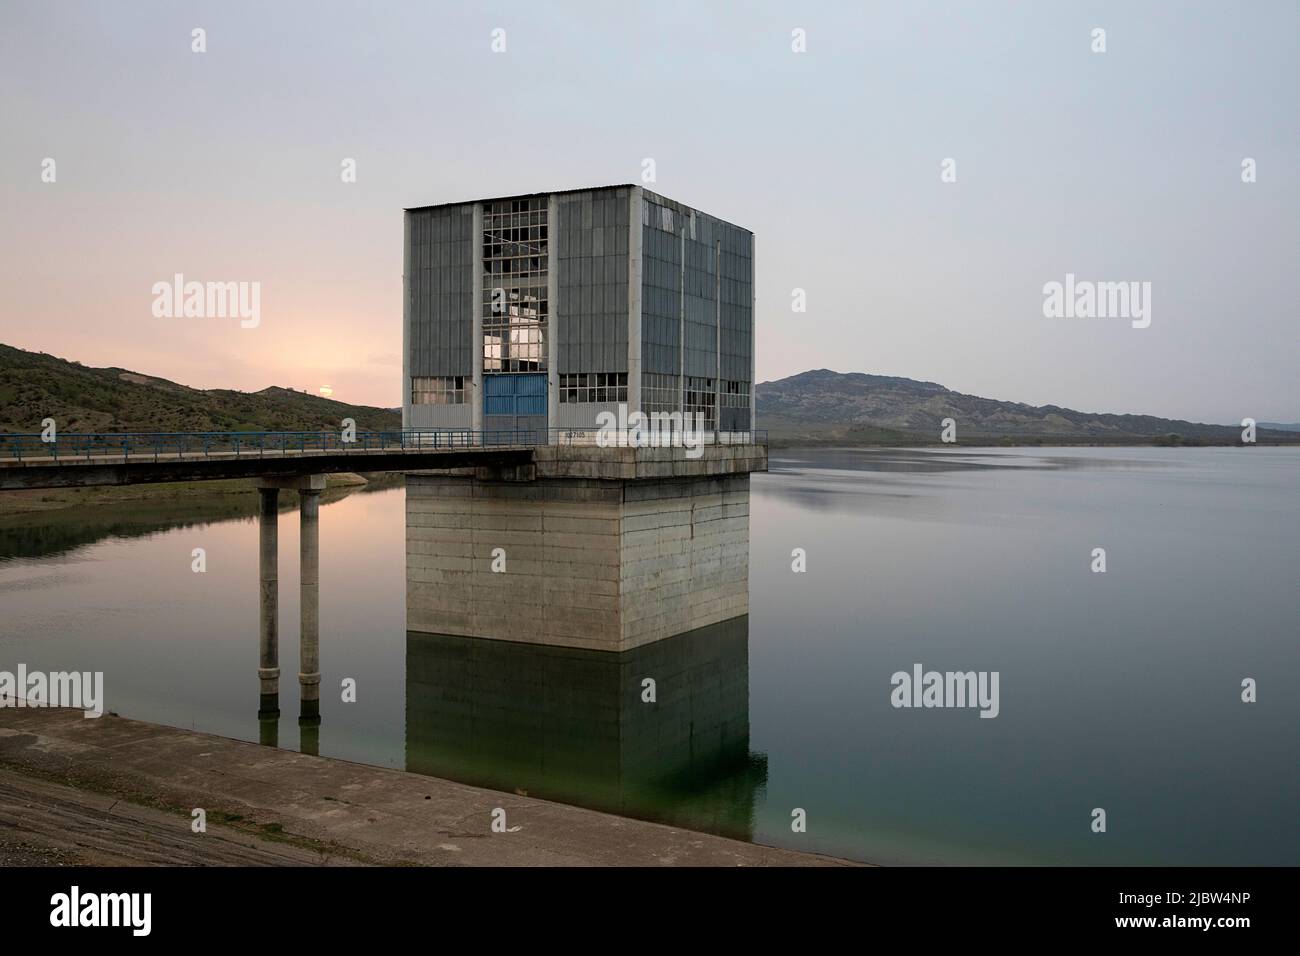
(570, 725)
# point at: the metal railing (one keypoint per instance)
(654, 438)
(162, 445)
(159, 446)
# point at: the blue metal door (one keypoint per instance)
(514, 407)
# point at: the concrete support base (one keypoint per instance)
(601, 564)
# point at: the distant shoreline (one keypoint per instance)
(782, 442)
(22, 506)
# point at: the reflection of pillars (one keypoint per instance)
(268, 728)
(268, 670)
(309, 736)
(309, 632)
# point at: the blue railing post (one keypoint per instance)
(87, 447)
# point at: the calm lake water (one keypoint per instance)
(1119, 690)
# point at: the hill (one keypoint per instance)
(817, 407)
(824, 406)
(34, 385)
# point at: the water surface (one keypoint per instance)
(1118, 690)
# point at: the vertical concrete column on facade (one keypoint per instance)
(552, 316)
(753, 336)
(268, 641)
(634, 268)
(717, 345)
(406, 320)
(681, 323)
(309, 600)
(476, 317)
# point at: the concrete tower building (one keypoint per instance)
(539, 312)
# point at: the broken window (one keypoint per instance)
(515, 270)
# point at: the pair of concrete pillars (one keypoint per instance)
(268, 670)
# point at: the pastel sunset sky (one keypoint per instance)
(1116, 166)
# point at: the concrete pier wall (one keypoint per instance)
(684, 556)
(600, 563)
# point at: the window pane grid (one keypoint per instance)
(735, 394)
(514, 304)
(702, 400)
(434, 390)
(659, 393)
(605, 387)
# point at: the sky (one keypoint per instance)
(1117, 166)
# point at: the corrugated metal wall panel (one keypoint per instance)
(442, 292)
(660, 301)
(737, 303)
(708, 321)
(593, 270)
(582, 415)
(441, 416)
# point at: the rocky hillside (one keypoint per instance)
(823, 405)
(34, 386)
(818, 406)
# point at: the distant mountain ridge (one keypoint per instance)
(825, 405)
(34, 386)
(817, 406)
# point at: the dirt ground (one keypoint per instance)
(43, 823)
(112, 791)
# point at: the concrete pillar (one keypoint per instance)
(309, 615)
(268, 665)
